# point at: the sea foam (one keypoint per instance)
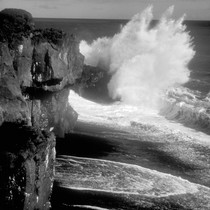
(144, 60)
(120, 178)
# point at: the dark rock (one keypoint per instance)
(6, 59)
(12, 103)
(55, 67)
(53, 112)
(61, 116)
(13, 107)
(22, 63)
(26, 171)
(53, 36)
(93, 84)
(37, 70)
(15, 24)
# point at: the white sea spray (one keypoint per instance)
(144, 61)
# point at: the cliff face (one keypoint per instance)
(37, 68)
(26, 159)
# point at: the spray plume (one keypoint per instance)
(144, 61)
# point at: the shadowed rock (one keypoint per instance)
(93, 84)
(56, 61)
(15, 23)
(37, 69)
(26, 172)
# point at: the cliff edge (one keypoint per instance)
(37, 69)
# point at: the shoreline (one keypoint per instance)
(87, 141)
(147, 154)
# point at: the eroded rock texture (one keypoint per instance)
(26, 173)
(37, 69)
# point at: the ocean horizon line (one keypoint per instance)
(106, 19)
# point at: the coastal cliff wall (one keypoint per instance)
(37, 69)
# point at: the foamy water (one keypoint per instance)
(88, 207)
(188, 107)
(148, 66)
(134, 119)
(120, 178)
(144, 61)
(130, 181)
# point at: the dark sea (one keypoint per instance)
(130, 155)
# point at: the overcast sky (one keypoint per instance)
(122, 9)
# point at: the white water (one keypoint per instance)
(143, 61)
(120, 178)
(187, 107)
(89, 207)
(148, 65)
(134, 119)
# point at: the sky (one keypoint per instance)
(109, 9)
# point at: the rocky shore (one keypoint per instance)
(37, 69)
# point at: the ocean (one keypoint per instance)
(151, 148)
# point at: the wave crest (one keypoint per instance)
(187, 107)
(144, 60)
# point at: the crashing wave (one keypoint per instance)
(143, 60)
(188, 107)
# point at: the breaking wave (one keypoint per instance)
(148, 64)
(188, 107)
(143, 121)
(144, 60)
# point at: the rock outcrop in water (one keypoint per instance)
(93, 84)
(37, 69)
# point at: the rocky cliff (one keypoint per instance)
(37, 69)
